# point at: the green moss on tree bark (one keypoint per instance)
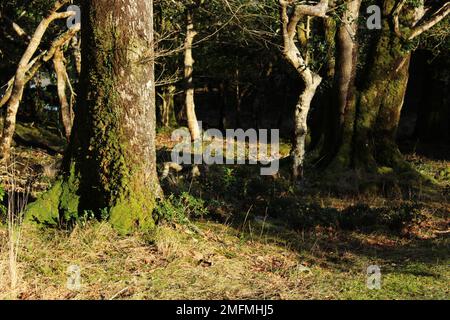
(110, 166)
(372, 114)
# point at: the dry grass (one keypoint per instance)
(180, 264)
(254, 260)
(16, 205)
(219, 262)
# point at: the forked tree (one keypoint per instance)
(291, 14)
(28, 65)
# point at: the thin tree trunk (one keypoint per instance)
(238, 95)
(21, 77)
(344, 81)
(76, 46)
(61, 79)
(110, 167)
(311, 80)
(301, 126)
(167, 111)
(347, 51)
(188, 70)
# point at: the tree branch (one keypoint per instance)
(395, 17)
(434, 19)
(289, 29)
(422, 26)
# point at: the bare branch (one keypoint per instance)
(21, 77)
(434, 19)
(289, 27)
(420, 26)
(395, 17)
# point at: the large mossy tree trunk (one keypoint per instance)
(371, 113)
(110, 167)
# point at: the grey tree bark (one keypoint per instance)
(110, 166)
(189, 82)
(311, 79)
(66, 112)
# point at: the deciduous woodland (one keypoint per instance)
(96, 98)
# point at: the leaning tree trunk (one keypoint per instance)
(110, 167)
(188, 70)
(20, 79)
(66, 112)
(301, 124)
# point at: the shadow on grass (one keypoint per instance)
(272, 209)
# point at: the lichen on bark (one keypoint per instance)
(110, 165)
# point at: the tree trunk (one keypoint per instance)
(188, 70)
(388, 118)
(61, 79)
(370, 119)
(380, 102)
(76, 47)
(20, 78)
(312, 80)
(110, 167)
(167, 108)
(301, 125)
(343, 109)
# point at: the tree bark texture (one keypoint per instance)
(110, 167)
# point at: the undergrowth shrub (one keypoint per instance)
(181, 208)
(358, 217)
(392, 218)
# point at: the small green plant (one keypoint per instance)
(89, 215)
(2, 199)
(182, 208)
(228, 177)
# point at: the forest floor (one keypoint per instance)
(233, 234)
